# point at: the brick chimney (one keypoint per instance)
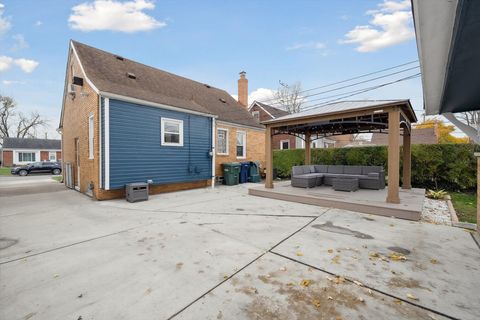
(243, 89)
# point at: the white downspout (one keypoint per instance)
(107, 143)
(213, 153)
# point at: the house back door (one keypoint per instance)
(77, 164)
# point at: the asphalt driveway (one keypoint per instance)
(222, 254)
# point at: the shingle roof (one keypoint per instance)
(109, 74)
(40, 144)
(342, 106)
(275, 112)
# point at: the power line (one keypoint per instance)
(350, 79)
(362, 91)
(356, 83)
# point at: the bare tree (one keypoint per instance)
(25, 125)
(289, 98)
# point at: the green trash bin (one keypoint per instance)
(254, 173)
(231, 172)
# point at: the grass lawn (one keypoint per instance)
(57, 178)
(465, 205)
(4, 171)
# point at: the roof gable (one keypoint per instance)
(271, 111)
(110, 72)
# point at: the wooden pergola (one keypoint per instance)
(392, 117)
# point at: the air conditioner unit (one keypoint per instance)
(71, 90)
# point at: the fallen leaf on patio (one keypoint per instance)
(358, 283)
(434, 261)
(392, 225)
(290, 284)
(299, 254)
(339, 280)
(316, 303)
(56, 275)
(432, 316)
(305, 283)
(330, 250)
(374, 254)
(361, 299)
(329, 278)
(336, 259)
(397, 301)
(80, 295)
(225, 276)
(411, 296)
(370, 292)
(338, 318)
(364, 246)
(397, 257)
(330, 298)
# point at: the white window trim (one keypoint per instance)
(162, 132)
(91, 133)
(281, 144)
(50, 153)
(227, 139)
(256, 114)
(244, 144)
(16, 158)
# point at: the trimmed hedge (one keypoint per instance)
(437, 166)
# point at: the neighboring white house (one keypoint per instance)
(18, 151)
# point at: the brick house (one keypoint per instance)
(418, 136)
(125, 122)
(20, 151)
(263, 112)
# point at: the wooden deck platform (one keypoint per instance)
(365, 201)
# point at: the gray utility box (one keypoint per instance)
(136, 191)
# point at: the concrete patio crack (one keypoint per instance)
(368, 287)
(245, 266)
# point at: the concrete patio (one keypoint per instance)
(222, 254)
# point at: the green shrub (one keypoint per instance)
(440, 166)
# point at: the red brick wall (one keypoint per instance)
(7, 158)
(59, 156)
(277, 138)
(76, 112)
(44, 156)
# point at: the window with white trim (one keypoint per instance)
(90, 136)
(256, 115)
(52, 156)
(284, 144)
(241, 144)
(222, 141)
(171, 132)
(26, 157)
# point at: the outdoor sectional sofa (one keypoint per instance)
(309, 176)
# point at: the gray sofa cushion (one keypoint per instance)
(352, 169)
(335, 169)
(321, 168)
(311, 168)
(297, 170)
(369, 169)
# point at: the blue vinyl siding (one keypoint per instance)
(136, 153)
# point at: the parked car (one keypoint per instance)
(38, 167)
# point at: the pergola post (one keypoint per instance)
(407, 160)
(308, 154)
(393, 156)
(268, 158)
